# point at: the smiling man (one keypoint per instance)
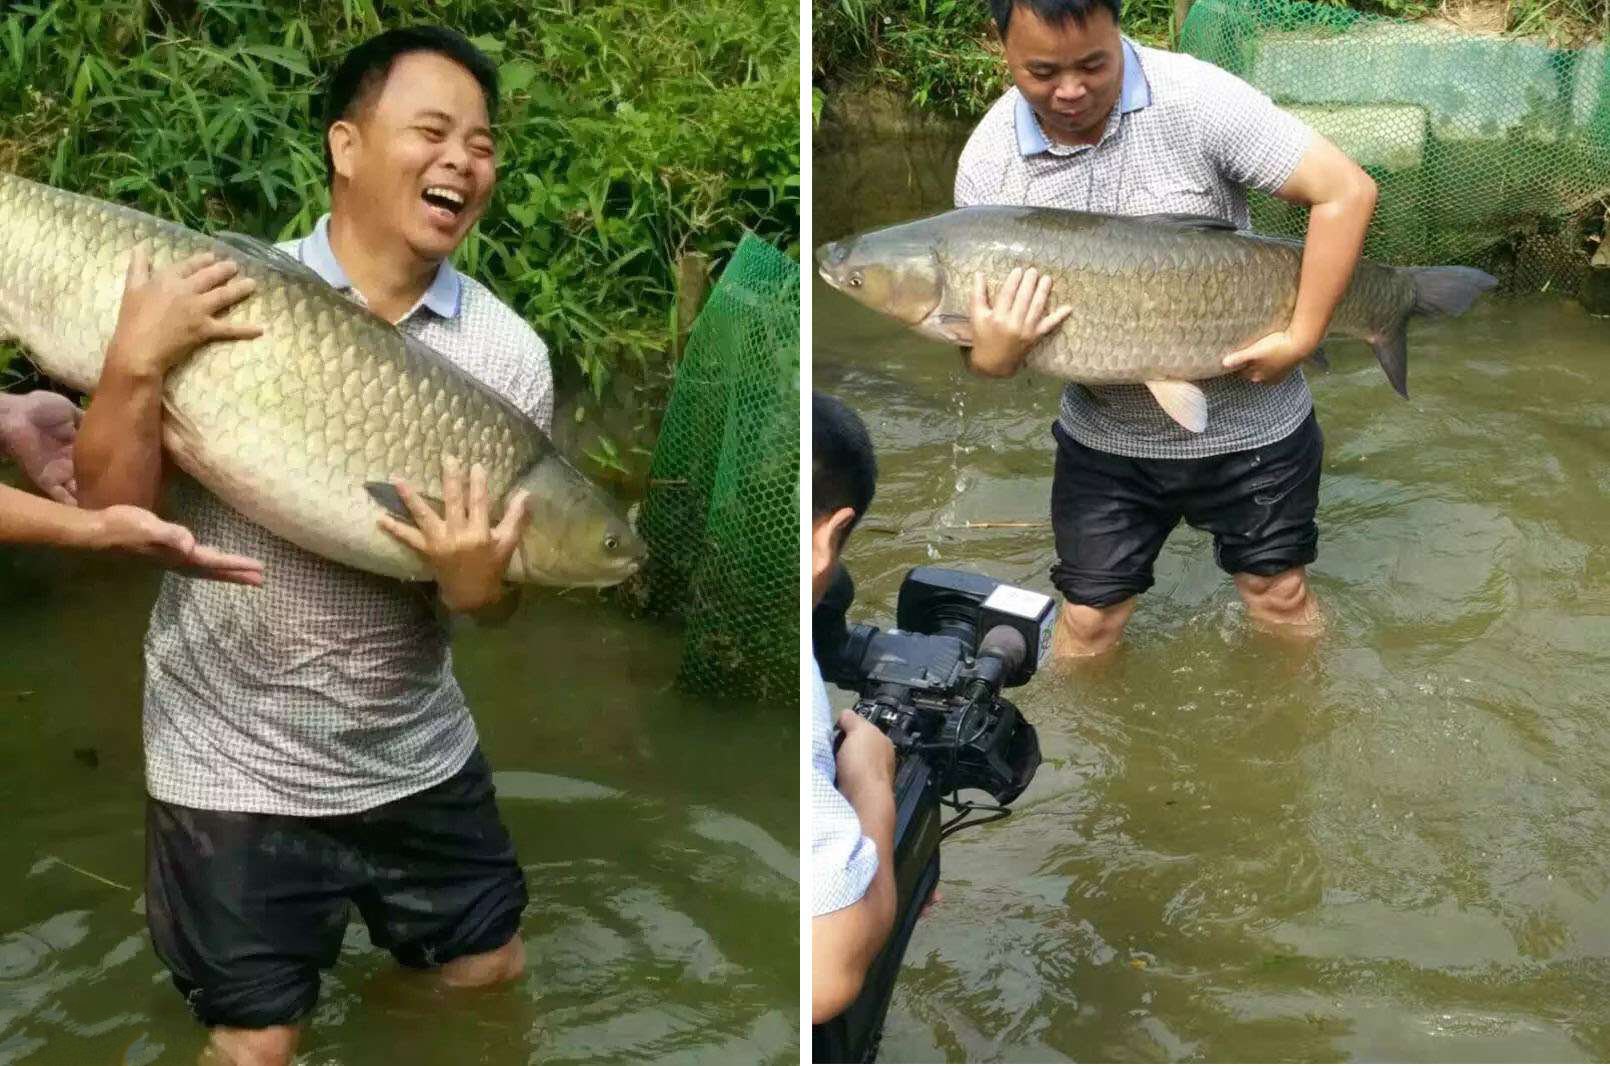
(308, 748)
(1097, 123)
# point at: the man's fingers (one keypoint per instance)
(1006, 295)
(425, 516)
(217, 330)
(62, 494)
(1042, 293)
(478, 518)
(452, 491)
(1053, 320)
(226, 296)
(405, 533)
(139, 267)
(212, 275)
(217, 565)
(516, 517)
(195, 264)
(980, 294)
(1024, 296)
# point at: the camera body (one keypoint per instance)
(933, 686)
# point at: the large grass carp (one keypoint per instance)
(1159, 300)
(300, 429)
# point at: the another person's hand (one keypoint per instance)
(1269, 359)
(166, 316)
(141, 533)
(865, 758)
(468, 555)
(37, 429)
(1003, 332)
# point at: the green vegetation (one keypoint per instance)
(632, 132)
(944, 57)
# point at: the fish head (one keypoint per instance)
(577, 536)
(893, 272)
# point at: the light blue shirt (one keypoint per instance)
(444, 297)
(843, 858)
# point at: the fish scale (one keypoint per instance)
(288, 428)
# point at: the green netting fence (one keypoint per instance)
(1489, 151)
(722, 513)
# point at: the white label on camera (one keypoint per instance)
(1020, 603)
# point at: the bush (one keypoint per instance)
(632, 132)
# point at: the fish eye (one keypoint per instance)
(855, 280)
(611, 542)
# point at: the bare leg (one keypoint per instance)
(1085, 631)
(274, 1046)
(489, 968)
(1281, 600)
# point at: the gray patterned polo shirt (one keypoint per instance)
(1185, 138)
(328, 690)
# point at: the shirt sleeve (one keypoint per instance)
(843, 858)
(1248, 139)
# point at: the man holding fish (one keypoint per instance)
(1096, 123)
(307, 745)
(1153, 132)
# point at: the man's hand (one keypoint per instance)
(468, 557)
(166, 316)
(1269, 359)
(139, 532)
(37, 429)
(865, 759)
(1004, 332)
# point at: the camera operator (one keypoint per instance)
(852, 794)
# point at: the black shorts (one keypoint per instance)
(246, 909)
(1111, 514)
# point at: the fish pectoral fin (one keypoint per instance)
(386, 495)
(956, 329)
(1184, 402)
(1317, 357)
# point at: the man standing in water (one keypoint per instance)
(1098, 123)
(37, 430)
(308, 747)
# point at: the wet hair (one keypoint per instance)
(1055, 12)
(844, 472)
(363, 73)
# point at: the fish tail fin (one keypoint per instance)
(1392, 350)
(1442, 290)
(1448, 290)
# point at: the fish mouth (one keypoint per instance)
(830, 258)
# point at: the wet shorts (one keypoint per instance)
(1111, 513)
(246, 909)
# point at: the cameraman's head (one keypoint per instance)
(844, 475)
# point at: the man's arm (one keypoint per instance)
(1341, 199)
(845, 942)
(29, 519)
(163, 319)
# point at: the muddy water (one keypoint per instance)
(1391, 843)
(663, 924)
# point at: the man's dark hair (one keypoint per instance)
(1055, 12)
(362, 74)
(843, 470)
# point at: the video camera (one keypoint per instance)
(933, 685)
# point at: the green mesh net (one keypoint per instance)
(1489, 151)
(722, 513)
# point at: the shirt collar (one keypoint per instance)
(443, 298)
(1133, 94)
